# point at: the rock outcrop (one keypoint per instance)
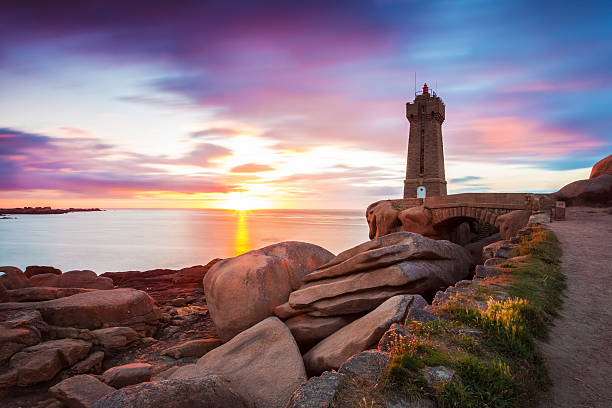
(96, 309)
(358, 336)
(127, 374)
(34, 270)
(80, 391)
(418, 220)
(382, 218)
(593, 192)
(13, 278)
(401, 262)
(84, 279)
(192, 348)
(510, 223)
(263, 362)
(604, 166)
(164, 285)
(212, 391)
(244, 290)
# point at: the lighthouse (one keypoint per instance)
(425, 164)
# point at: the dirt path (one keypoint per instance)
(579, 352)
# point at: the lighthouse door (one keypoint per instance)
(421, 192)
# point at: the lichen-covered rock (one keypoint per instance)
(318, 392)
(244, 290)
(80, 391)
(263, 362)
(358, 336)
(368, 365)
(212, 391)
(500, 249)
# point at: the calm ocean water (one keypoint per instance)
(119, 240)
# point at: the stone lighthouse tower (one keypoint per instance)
(425, 166)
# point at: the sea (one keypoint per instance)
(130, 239)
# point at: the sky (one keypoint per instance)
(281, 104)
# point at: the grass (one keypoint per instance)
(491, 346)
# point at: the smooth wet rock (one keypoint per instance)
(127, 374)
(84, 279)
(33, 270)
(115, 337)
(356, 337)
(244, 290)
(96, 309)
(318, 392)
(212, 391)
(192, 348)
(13, 278)
(263, 362)
(309, 330)
(509, 224)
(80, 391)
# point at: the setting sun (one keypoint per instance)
(243, 201)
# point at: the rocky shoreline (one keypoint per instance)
(43, 210)
(288, 325)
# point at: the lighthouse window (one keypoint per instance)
(422, 158)
(422, 109)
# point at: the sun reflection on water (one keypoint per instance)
(241, 242)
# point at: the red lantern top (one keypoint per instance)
(425, 89)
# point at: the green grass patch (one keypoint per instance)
(499, 365)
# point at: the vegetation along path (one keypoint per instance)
(578, 352)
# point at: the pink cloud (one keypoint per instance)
(515, 137)
(251, 168)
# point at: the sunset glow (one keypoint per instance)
(285, 105)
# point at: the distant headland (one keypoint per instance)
(44, 210)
